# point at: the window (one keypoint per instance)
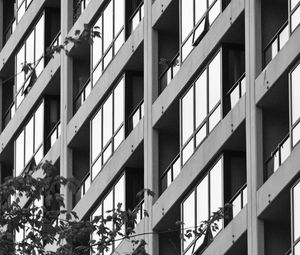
(107, 128)
(29, 143)
(110, 24)
(204, 200)
(110, 202)
(32, 52)
(296, 218)
(294, 104)
(295, 14)
(201, 108)
(22, 6)
(195, 16)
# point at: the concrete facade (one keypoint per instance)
(248, 135)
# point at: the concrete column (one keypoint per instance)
(151, 178)
(66, 99)
(254, 131)
(1, 24)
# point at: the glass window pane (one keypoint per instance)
(295, 79)
(201, 134)
(236, 206)
(202, 201)
(119, 41)
(29, 141)
(245, 196)
(296, 207)
(108, 25)
(39, 127)
(176, 168)
(214, 118)
(283, 37)
(30, 48)
(201, 98)
(119, 105)
(107, 153)
(296, 134)
(39, 155)
(97, 73)
(214, 81)
(169, 178)
(20, 59)
(119, 15)
(297, 249)
(200, 9)
(135, 21)
(108, 57)
(295, 19)
(285, 150)
(294, 3)
(187, 151)
(216, 190)
(96, 167)
(40, 45)
(214, 12)
(21, 12)
(96, 135)
(234, 96)
(97, 44)
(187, 17)
(19, 157)
(187, 48)
(120, 193)
(119, 138)
(107, 120)
(188, 208)
(187, 119)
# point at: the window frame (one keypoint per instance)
(206, 119)
(111, 142)
(291, 12)
(297, 241)
(194, 190)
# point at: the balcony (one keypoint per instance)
(239, 200)
(170, 174)
(82, 95)
(82, 189)
(136, 17)
(136, 115)
(9, 30)
(278, 156)
(237, 91)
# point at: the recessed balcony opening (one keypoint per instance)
(277, 225)
(275, 27)
(134, 13)
(9, 22)
(239, 247)
(276, 137)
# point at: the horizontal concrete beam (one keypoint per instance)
(29, 102)
(29, 16)
(110, 170)
(278, 181)
(210, 147)
(229, 235)
(158, 9)
(52, 155)
(106, 81)
(196, 58)
(277, 66)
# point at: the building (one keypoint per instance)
(197, 101)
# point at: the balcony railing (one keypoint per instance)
(136, 115)
(56, 41)
(79, 8)
(169, 175)
(239, 200)
(277, 42)
(9, 30)
(278, 156)
(82, 95)
(169, 72)
(82, 189)
(8, 114)
(237, 91)
(53, 135)
(136, 17)
(139, 209)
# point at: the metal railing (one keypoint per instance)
(136, 115)
(169, 73)
(82, 189)
(82, 95)
(139, 209)
(239, 200)
(278, 156)
(276, 43)
(56, 41)
(136, 17)
(237, 91)
(8, 114)
(53, 135)
(171, 172)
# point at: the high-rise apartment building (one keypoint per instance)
(197, 100)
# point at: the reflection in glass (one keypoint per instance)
(19, 158)
(189, 216)
(187, 115)
(215, 81)
(296, 212)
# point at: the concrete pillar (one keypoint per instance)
(254, 131)
(151, 176)
(66, 99)
(1, 24)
